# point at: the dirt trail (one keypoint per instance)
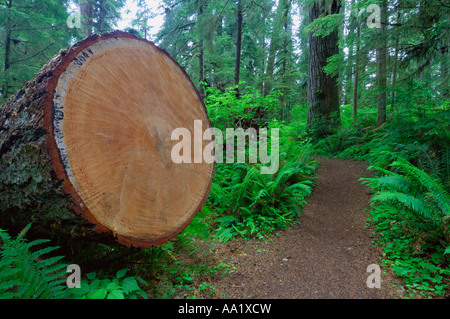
(325, 256)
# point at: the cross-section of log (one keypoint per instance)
(86, 145)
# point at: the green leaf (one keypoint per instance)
(113, 285)
(121, 273)
(447, 250)
(129, 285)
(91, 275)
(97, 294)
(83, 290)
(116, 294)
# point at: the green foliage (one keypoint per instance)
(34, 31)
(411, 249)
(30, 271)
(410, 205)
(25, 270)
(325, 25)
(251, 203)
(227, 110)
(420, 138)
(117, 287)
(422, 199)
(410, 153)
(106, 13)
(207, 29)
(261, 203)
(180, 268)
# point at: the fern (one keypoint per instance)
(24, 271)
(411, 202)
(435, 188)
(411, 189)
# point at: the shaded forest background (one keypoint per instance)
(364, 80)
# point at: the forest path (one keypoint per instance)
(326, 255)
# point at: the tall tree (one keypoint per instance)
(100, 16)
(237, 67)
(31, 32)
(356, 72)
(280, 48)
(323, 95)
(381, 62)
(275, 45)
(7, 65)
(285, 56)
(141, 20)
(201, 56)
(87, 14)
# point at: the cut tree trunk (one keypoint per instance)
(85, 147)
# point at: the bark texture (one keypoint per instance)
(237, 67)
(36, 184)
(381, 74)
(323, 96)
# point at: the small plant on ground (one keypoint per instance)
(117, 287)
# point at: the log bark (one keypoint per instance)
(85, 147)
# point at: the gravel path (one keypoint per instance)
(325, 256)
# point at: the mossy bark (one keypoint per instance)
(30, 189)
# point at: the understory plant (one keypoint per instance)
(104, 287)
(26, 269)
(31, 270)
(411, 211)
(252, 203)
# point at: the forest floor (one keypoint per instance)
(325, 255)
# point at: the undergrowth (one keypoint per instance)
(243, 202)
(410, 209)
(26, 272)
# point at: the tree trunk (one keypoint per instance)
(356, 78)
(287, 37)
(201, 58)
(7, 64)
(394, 77)
(381, 74)
(87, 14)
(101, 16)
(237, 68)
(350, 69)
(85, 147)
(323, 96)
(274, 45)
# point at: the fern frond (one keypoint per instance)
(304, 186)
(29, 273)
(435, 188)
(393, 182)
(415, 204)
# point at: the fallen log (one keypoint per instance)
(85, 147)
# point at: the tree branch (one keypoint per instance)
(34, 55)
